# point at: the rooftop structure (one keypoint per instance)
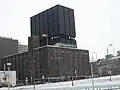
(57, 23)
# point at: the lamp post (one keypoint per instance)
(92, 71)
(46, 36)
(33, 68)
(72, 78)
(33, 73)
(92, 75)
(8, 64)
(109, 72)
(91, 66)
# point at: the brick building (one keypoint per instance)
(55, 55)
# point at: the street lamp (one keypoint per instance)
(107, 58)
(109, 72)
(33, 72)
(91, 65)
(46, 36)
(33, 68)
(8, 64)
(72, 78)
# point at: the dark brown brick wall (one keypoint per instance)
(56, 61)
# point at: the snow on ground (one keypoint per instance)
(102, 82)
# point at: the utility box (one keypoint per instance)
(118, 53)
(4, 77)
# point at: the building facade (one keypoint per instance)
(8, 46)
(109, 66)
(49, 61)
(22, 48)
(19, 63)
(58, 61)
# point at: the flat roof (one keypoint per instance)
(58, 47)
(44, 47)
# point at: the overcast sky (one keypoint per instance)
(97, 21)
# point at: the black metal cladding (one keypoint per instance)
(72, 23)
(37, 25)
(50, 22)
(61, 21)
(33, 26)
(18, 64)
(56, 21)
(41, 24)
(67, 27)
(45, 18)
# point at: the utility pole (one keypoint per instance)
(33, 67)
(92, 75)
(33, 73)
(92, 71)
(8, 64)
(109, 61)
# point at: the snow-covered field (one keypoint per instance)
(103, 83)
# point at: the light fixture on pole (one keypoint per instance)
(46, 36)
(8, 65)
(109, 72)
(95, 55)
(108, 49)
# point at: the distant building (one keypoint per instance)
(111, 65)
(109, 56)
(8, 46)
(22, 48)
(118, 53)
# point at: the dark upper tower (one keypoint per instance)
(57, 23)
